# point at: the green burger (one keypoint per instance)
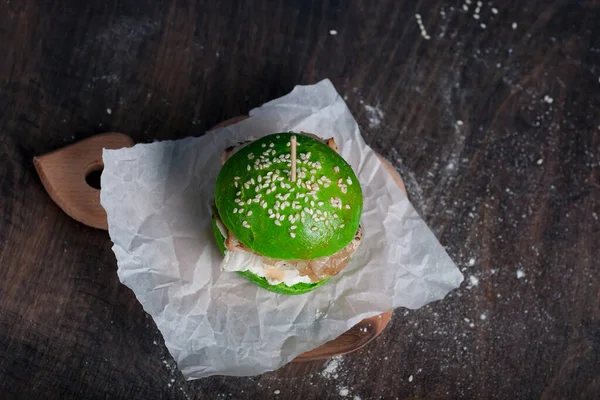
(289, 233)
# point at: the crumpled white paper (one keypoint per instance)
(158, 201)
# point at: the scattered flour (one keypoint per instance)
(520, 274)
(548, 99)
(375, 115)
(540, 161)
(480, 15)
(333, 32)
(410, 378)
(277, 391)
(473, 280)
(482, 317)
(422, 27)
(108, 111)
(471, 262)
(331, 369)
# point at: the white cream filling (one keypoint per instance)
(244, 261)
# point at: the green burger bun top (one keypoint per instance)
(315, 216)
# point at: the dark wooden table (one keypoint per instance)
(494, 123)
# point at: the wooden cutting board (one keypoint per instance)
(64, 172)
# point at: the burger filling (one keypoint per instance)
(240, 258)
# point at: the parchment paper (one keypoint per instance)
(158, 200)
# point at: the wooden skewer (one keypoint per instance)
(293, 158)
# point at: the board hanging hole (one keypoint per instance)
(93, 173)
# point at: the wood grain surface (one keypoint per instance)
(494, 124)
